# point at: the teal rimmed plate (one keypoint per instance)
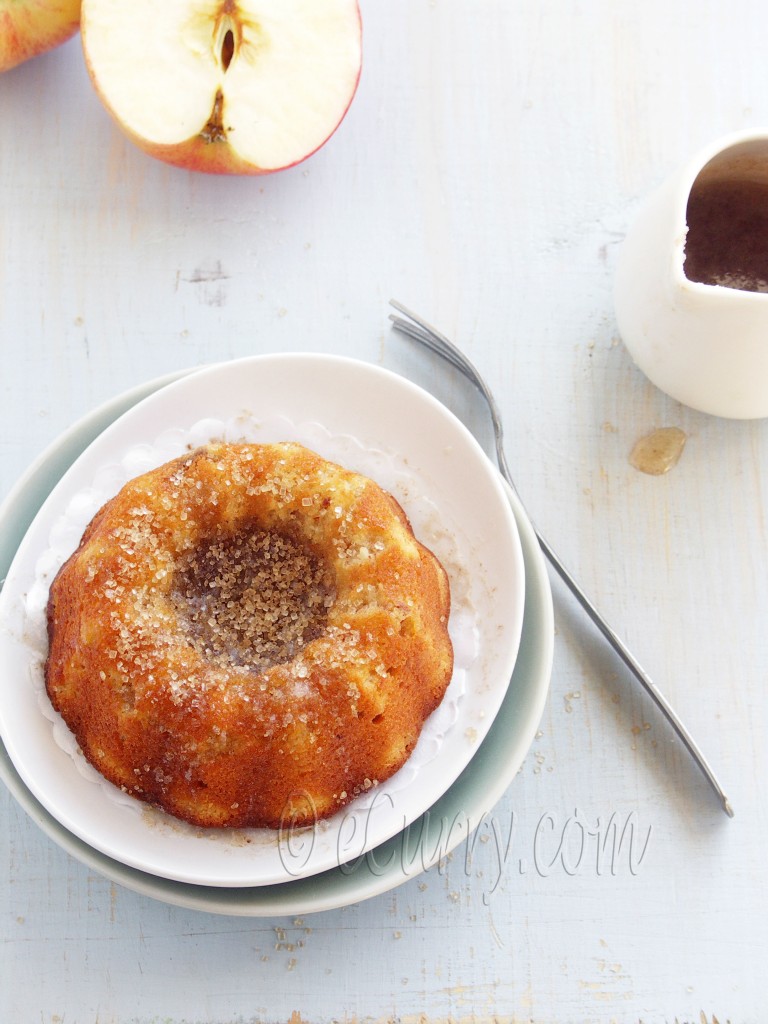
(431, 836)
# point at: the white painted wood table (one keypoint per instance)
(485, 175)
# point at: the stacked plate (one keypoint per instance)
(367, 419)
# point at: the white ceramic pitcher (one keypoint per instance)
(703, 343)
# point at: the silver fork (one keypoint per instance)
(417, 329)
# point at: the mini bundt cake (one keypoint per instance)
(247, 636)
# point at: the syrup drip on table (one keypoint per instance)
(658, 452)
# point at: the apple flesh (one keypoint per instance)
(225, 86)
(30, 27)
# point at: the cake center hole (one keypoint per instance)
(254, 597)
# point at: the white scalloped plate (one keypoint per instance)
(351, 410)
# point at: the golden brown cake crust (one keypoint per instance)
(248, 636)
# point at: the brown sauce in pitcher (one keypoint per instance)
(727, 241)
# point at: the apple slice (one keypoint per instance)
(30, 27)
(225, 86)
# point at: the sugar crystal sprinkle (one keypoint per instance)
(253, 597)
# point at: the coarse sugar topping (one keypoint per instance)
(253, 597)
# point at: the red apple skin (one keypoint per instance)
(208, 156)
(31, 27)
(197, 154)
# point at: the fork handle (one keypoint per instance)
(425, 334)
(619, 646)
(640, 674)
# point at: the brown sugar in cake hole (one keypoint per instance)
(254, 597)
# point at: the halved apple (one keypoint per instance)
(30, 27)
(225, 86)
